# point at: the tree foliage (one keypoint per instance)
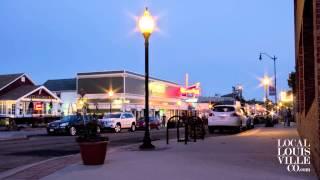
(292, 81)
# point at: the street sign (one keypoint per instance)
(272, 91)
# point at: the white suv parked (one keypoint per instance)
(118, 121)
(227, 117)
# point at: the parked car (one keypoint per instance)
(71, 124)
(154, 123)
(118, 121)
(248, 120)
(227, 117)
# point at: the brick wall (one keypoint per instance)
(308, 74)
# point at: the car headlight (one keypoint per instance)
(64, 124)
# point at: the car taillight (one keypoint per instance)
(234, 114)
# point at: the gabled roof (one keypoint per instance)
(18, 92)
(61, 84)
(24, 91)
(5, 79)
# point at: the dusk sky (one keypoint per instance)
(216, 42)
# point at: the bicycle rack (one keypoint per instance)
(193, 126)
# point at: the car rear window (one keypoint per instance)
(112, 115)
(127, 115)
(223, 109)
(70, 118)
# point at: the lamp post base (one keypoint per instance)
(147, 146)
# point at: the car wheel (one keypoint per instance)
(238, 129)
(72, 131)
(117, 129)
(133, 127)
(98, 130)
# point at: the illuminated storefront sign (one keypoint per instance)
(162, 90)
(191, 91)
(157, 88)
(38, 106)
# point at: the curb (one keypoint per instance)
(14, 171)
(14, 138)
(17, 170)
(23, 137)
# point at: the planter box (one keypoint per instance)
(93, 153)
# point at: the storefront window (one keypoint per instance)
(13, 109)
(4, 110)
(1, 108)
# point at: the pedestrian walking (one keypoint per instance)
(164, 120)
(288, 117)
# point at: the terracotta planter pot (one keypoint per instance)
(93, 153)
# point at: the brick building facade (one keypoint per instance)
(307, 98)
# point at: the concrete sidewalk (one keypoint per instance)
(248, 155)
(22, 134)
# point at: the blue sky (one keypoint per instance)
(216, 42)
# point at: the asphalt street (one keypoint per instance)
(38, 148)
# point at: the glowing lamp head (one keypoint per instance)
(272, 113)
(110, 93)
(146, 23)
(266, 81)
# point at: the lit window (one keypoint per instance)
(13, 109)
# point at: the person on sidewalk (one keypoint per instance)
(288, 117)
(164, 120)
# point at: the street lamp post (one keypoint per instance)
(266, 83)
(146, 24)
(110, 94)
(274, 58)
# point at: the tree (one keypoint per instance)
(292, 81)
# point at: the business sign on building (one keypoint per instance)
(191, 91)
(38, 106)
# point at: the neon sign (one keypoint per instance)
(191, 91)
(38, 106)
(194, 91)
(157, 88)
